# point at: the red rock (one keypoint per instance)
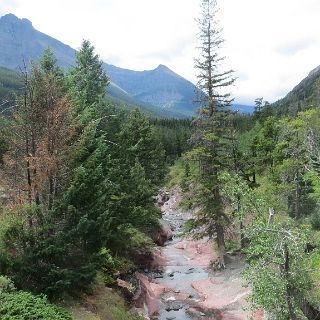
(220, 295)
(149, 294)
(259, 315)
(126, 288)
(200, 252)
(124, 284)
(158, 260)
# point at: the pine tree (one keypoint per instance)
(138, 142)
(214, 128)
(88, 82)
(210, 77)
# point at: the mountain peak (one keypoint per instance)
(12, 19)
(162, 67)
(314, 72)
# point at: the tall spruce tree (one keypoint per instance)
(214, 128)
(88, 82)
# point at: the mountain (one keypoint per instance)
(242, 108)
(161, 91)
(302, 97)
(20, 41)
(160, 87)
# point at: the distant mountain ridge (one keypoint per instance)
(303, 96)
(161, 89)
(20, 41)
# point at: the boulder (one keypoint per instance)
(127, 288)
(163, 233)
(162, 198)
(148, 294)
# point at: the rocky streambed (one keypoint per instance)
(181, 285)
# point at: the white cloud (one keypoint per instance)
(272, 44)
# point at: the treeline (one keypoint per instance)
(174, 135)
(79, 179)
(10, 82)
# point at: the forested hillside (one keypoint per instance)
(253, 184)
(304, 96)
(79, 181)
(10, 83)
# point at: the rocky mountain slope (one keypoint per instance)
(304, 96)
(160, 90)
(160, 87)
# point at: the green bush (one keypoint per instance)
(120, 314)
(113, 266)
(6, 285)
(25, 306)
(315, 220)
(134, 239)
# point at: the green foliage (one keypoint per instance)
(6, 285)
(113, 266)
(139, 142)
(277, 268)
(4, 132)
(105, 199)
(173, 134)
(313, 264)
(239, 196)
(213, 140)
(303, 97)
(10, 85)
(23, 305)
(121, 314)
(134, 239)
(88, 82)
(104, 303)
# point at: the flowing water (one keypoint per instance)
(178, 275)
(193, 290)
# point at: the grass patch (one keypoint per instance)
(103, 304)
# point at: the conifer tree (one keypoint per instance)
(88, 81)
(214, 128)
(139, 142)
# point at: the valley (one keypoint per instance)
(140, 195)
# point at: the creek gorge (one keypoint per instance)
(180, 283)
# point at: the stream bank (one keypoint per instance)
(181, 285)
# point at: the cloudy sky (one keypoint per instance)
(271, 44)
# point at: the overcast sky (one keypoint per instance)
(271, 44)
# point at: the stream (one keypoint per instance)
(178, 275)
(182, 286)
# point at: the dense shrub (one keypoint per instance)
(25, 306)
(6, 285)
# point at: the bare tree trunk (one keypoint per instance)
(271, 214)
(285, 269)
(29, 182)
(221, 245)
(297, 197)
